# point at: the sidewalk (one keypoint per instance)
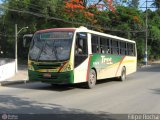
(150, 63)
(20, 77)
(156, 62)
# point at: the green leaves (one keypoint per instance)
(155, 33)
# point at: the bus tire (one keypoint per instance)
(91, 79)
(123, 74)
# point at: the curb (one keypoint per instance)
(145, 66)
(5, 83)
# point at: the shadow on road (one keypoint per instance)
(59, 87)
(42, 86)
(27, 109)
(155, 91)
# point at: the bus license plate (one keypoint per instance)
(47, 75)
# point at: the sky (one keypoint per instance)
(143, 4)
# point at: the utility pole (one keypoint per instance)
(146, 40)
(146, 31)
(16, 46)
(16, 58)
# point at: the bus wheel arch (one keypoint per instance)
(95, 71)
(92, 78)
(123, 74)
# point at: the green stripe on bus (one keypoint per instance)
(102, 61)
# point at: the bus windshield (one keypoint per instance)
(51, 46)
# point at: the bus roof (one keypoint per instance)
(84, 29)
(57, 29)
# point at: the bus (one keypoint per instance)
(79, 55)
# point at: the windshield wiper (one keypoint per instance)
(55, 51)
(41, 50)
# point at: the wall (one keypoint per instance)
(7, 69)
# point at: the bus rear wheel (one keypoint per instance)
(91, 79)
(123, 74)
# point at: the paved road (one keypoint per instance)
(139, 94)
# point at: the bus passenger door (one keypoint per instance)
(81, 58)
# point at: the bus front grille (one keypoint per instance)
(47, 66)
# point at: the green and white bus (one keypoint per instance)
(75, 55)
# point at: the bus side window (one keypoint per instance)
(95, 44)
(131, 49)
(81, 44)
(115, 47)
(127, 51)
(104, 45)
(122, 48)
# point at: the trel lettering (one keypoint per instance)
(106, 60)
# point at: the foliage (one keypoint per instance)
(156, 3)
(133, 3)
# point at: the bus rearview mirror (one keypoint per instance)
(27, 40)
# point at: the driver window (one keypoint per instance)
(81, 44)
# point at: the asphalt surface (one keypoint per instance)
(140, 93)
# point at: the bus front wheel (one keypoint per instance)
(123, 74)
(91, 79)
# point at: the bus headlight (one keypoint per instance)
(30, 67)
(67, 68)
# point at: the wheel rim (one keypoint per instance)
(123, 75)
(92, 79)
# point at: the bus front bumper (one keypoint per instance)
(53, 78)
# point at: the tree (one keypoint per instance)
(156, 3)
(22, 12)
(78, 12)
(134, 3)
(154, 33)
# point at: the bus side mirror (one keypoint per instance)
(27, 40)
